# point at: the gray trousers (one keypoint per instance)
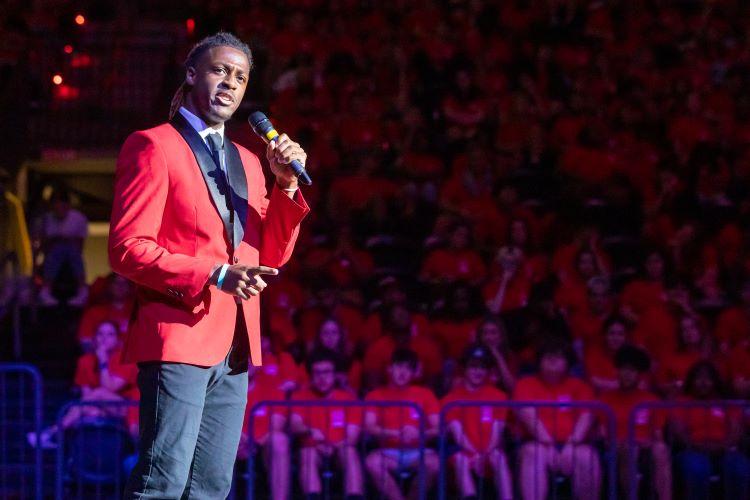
(190, 424)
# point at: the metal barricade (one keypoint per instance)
(724, 467)
(293, 453)
(95, 449)
(20, 413)
(602, 432)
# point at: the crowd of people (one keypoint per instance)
(534, 201)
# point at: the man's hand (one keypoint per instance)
(280, 154)
(244, 281)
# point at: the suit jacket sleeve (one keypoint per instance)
(280, 217)
(141, 187)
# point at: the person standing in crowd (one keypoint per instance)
(192, 227)
(59, 234)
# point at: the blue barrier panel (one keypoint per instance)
(95, 448)
(481, 414)
(20, 413)
(277, 443)
(693, 446)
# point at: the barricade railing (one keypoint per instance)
(701, 449)
(20, 414)
(269, 442)
(96, 449)
(601, 440)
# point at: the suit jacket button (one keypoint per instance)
(236, 260)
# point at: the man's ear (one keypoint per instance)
(190, 75)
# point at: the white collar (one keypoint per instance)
(200, 126)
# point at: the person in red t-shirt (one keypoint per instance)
(397, 428)
(327, 431)
(332, 335)
(709, 437)
(632, 362)
(693, 346)
(458, 262)
(478, 430)
(267, 432)
(558, 436)
(401, 330)
(599, 359)
(116, 308)
(101, 376)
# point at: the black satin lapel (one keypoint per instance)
(238, 183)
(211, 174)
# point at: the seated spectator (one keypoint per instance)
(332, 336)
(643, 293)
(478, 431)
(397, 428)
(492, 334)
(116, 308)
(458, 262)
(279, 369)
(267, 433)
(59, 234)
(586, 322)
(557, 438)
(459, 316)
(326, 431)
(15, 246)
(708, 437)
(693, 346)
(510, 282)
(632, 363)
(101, 376)
(599, 358)
(400, 332)
(733, 324)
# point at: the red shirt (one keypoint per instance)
(476, 421)
(733, 327)
(453, 265)
(706, 425)
(88, 374)
(262, 416)
(646, 421)
(378, 355)
(332, 421)
(559, 422)
(395, 418)
(600, 363)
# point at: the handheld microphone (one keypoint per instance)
(262, 126)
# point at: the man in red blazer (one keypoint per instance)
(192, 226)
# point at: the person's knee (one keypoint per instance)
(375, 464)
(586, 458)
(533, 455)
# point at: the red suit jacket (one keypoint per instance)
(170, 226)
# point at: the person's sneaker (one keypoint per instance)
(43, 440)
(46, 298)
(80, 298)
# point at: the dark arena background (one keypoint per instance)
(526, 272)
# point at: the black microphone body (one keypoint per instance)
(262, 126)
